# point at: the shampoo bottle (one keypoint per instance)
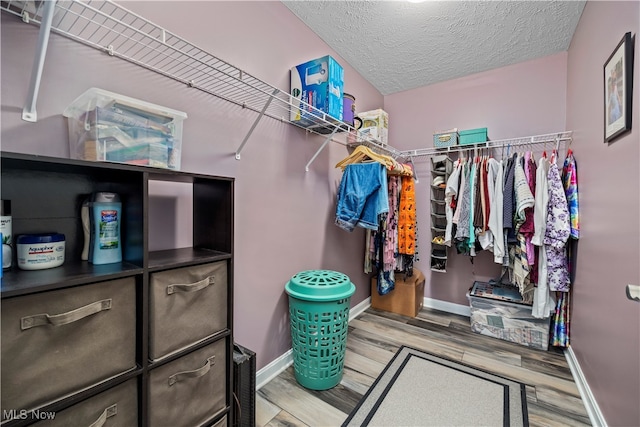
(5, 229)
(105, 212)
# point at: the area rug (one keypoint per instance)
(421, 389)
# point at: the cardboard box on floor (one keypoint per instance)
(406, 298)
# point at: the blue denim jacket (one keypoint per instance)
(362, 196)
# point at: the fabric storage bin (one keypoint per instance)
(438, 207)
(406, 298)
(438, 222)
(187, 305)
(473, 136)
(116, 407)
(498, 314)
(447, 138)
(59, 342)
(190, 390)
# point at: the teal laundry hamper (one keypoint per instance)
(319, 314)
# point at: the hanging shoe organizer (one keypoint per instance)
(441, 168)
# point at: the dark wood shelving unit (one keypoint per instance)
(46, 195)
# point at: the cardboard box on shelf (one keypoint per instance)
(375, 124)
(320, 84)
(406, 298)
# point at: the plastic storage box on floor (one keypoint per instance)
(319, 313)
(106, 126)
(497, 311)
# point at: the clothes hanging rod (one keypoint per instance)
(549, 138)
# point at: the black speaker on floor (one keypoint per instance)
(244, 387)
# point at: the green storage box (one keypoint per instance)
(473, 136)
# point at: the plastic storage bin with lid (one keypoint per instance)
(319, 314)
(106, 126)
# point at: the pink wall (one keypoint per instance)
(515, 101)
(606, 325)
(284, 216)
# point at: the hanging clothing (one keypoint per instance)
(543, 303)
(473, 183)
(487, 238)
(391, 225)
(523, 195)
(451, 193)
(407, 217)
(496, 214)
(570, 183)
(362, 196)
(527, 228)
(557, 232)
(560, 326)
(508, 198)
(463, 184)
(464, 204)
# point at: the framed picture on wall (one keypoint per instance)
(618, 90)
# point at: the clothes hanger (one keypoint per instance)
(362, 153)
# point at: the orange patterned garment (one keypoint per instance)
(407, 217)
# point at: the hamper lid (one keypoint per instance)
(320, 285)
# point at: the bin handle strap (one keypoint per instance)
(180, 376)
(29, 322)
(109, 412)
(191, 287)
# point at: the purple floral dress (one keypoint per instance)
(557, 232)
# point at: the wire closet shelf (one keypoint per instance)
(109, 27)
(550, 140)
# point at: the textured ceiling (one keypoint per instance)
(398, 45)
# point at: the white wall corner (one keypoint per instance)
(449, 307)
(590, 404)
(273, 369)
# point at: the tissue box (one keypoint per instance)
(106, 126)
(320, 84)
(375, 124)
(407, 297)
(497, 311)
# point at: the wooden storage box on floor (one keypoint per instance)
(406, 298)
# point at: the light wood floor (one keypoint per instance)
(374, 337)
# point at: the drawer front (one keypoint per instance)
(116, 407)
(56, 343)
(189, 390)
(187, 305)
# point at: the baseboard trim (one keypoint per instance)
(358, 309)
(590, 404)
(449, 307)
(273, 369)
